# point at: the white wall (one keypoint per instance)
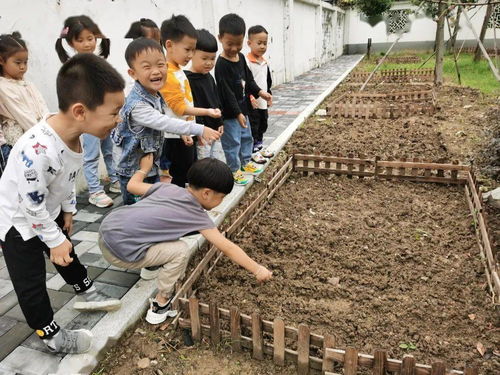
(40, 22)
(423, 29)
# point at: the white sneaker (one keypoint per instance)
(70, 341)
(115, 187)
(93, 299)
(158, 314)
(100, 199)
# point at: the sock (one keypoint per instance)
(49, 331)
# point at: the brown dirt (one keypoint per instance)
(454, 132)
(165, 354)
(405, 255)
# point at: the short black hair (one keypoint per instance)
(139, 28)
(9, 45)
(176, 28)
(206, 42)
(212, 174)
(86, 78)
(139, 45)
(257, 29)
(232, 24)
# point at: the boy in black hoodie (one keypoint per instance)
(204, 92)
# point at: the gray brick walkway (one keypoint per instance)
(21, 352)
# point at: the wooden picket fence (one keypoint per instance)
(383, 105)
(400, 59)
(490, 51)
(309, 350)
(298, 345)
(403, 75)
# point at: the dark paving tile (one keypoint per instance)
(86, 320)
(7, 302)
(6, 323)
(79, 225)
(57, 298)
(118, 278)
(93, 227)
(13, 338)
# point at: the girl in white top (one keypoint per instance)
(21, 104)
(81, 34)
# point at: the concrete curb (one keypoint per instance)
(112, 326)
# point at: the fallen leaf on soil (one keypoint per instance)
(481, 349)
(472, 316)
(143, 363)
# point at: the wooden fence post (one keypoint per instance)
(235, 329)
(214, 323)
(279, 341)
(351, 361)
(303, 342)
(438, 368)
(257, 339)
(379, 362)
(328, 342)
(408, 365)
(194, 316)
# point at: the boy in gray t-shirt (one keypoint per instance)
(147, 233)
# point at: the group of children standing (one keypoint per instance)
(203, 134)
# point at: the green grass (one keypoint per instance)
(476, 75)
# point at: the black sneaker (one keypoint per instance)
(158, 314)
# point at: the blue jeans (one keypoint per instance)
(237, 143)
(129, 198)
(165, 163)
(4, 155)
(91, 147)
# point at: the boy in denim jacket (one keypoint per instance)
(143, 116)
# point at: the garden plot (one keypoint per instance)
(375, 262)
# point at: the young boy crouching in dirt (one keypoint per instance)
(147, 233)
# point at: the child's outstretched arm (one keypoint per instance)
(145, 115)
(236, 254)
(136, 184)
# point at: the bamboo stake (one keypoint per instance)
(483, 50)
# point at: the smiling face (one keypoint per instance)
(258, 44)
(16, 65)
(104, 118)
(150, 69)
(181, 52)
(203, 62)
(231, 44)
(85, 42)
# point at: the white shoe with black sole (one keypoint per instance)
(158, 314)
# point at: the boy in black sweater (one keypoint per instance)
(204, 92)
(235, 83)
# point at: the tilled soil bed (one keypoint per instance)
(376, 263)
(455, 131)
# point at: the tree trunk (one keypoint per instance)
(438, 69)
(455, 30)
(487, 16)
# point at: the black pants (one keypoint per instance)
(258, 123)
(26, 264)
(182, 158)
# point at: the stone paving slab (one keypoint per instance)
(293, 102)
